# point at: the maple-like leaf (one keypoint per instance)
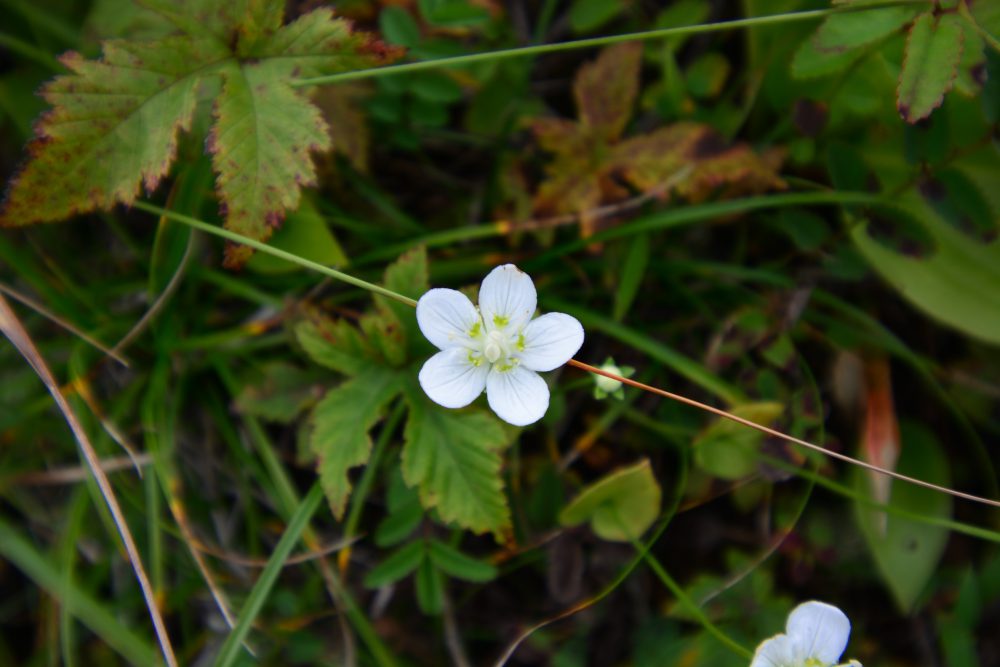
(591, 162)
(114, 123)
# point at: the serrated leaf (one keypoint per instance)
(605, 89)
(114, 123)
(340, 425)
(700, 156)
(335, 344)
(933, 51)
(401, 563)
(278, 391)
(907, 551)
(112, 129)
(620, 506)
(729, 450)
(955, 283)
(453, 562)
(453, 458)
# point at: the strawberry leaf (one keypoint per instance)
(114, 123)
(340, 425)
(453, 458)
(933, 52)
(113, 127)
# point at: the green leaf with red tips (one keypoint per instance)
(115, 121)
(933, 52)
(112, 129)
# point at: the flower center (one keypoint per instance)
(495, 347)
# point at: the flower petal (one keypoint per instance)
(451, 379)
(820, 629)
(518, 396)
(447, 318)
(550, 341)
(778, 651)
(507, 298)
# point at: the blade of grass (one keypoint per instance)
(232, 647)
(539, 49)
(17, 335)
(16, 549)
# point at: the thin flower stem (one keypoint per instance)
(539, 49)
(782, 436)
(679, 593)
(277, 252)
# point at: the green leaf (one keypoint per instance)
(956, 284)
(114, 123)
(631, 276)
(727, 449)
(436, 88)
(404, 511)
(112, 129)
(399, 27)
(452, 561)
(620, 506)
(810, 63)
(430, 588)
(907, 551)
(399, 525)
(340, 425)
(588, 15)
(335, 344)
(933, 51)
(278, 391)
(453, 458)
(452, 13)
(306, 234)
(852, 30)
(401, 563)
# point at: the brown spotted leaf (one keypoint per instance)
(114, 123)
(112, 129)
(606, 88)
(695, 162)
(591, 165)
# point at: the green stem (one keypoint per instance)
(522, 52)
(277, 252)
(232, 648)
(682, 597)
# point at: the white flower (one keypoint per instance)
(815, 636)
(496, 347)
